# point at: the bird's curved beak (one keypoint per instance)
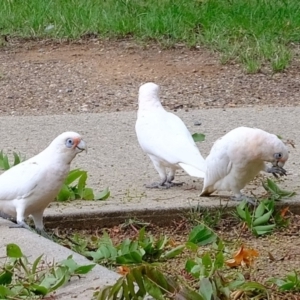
(278, 163)
(81, 146)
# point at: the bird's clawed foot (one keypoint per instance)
(276, 170)
(164, 185)
(21, 225)
(171, 183)
(250, 200)
(43, 233)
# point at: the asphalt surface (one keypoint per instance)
(115, 160)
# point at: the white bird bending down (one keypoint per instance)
(27, 188)
(165, 138)
(237, 157)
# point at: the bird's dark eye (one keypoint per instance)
(277, 155)
(69, 143)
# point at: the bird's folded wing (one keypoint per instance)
(19, 181)
(218, 166)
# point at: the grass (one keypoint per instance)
(253, 32)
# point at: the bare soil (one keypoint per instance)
(45, 77)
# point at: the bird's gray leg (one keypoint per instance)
(241, 197)
(20, 219)
(275, 170)
(171, 177)
(162, 174)
(39, 225)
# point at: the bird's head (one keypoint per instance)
(148, 96)
(68, 144)
(279, 153)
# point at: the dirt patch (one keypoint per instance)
(38, 78)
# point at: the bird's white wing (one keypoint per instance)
(165, 136)
(218, 166)
(19, 181)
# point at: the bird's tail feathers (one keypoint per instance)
(192, 171)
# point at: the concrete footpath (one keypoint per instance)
(115, 160)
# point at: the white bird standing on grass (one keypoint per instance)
(165, 138)
(237, 157)
(28, 188)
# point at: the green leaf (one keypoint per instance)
(88, 194)
(133, 257)
(206, 289)
(35, 264)
(137, 274)
(70, 263)
(259, 211)
(263, 229)
(174, 252)
(198, 137)
(6, 165)
(5, 277)
(60, 282)
(192, 267)
(84, 269)
(17, 159)
(241, 210)
(5, 291)
(13, 251)
(73, 175)
(202, 235)
(39, 289)
(263, 219)
(191, 246)
(103, 195)
(81, 184)
(64, 194)
(252, 285)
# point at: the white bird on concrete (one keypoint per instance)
(28, 188)
(237, 157)
(165, 138)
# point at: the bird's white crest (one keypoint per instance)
(28, 188)
(165, 138)
(238, 156)
(149, 97)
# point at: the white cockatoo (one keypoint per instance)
(237, 157)
(28, 188)
(165, 138)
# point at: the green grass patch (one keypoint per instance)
(254, 32)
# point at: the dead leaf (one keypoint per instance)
(271, 257)
(123, 270)
(283, 212)
(243, 257)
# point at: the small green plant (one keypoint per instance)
(74, 187)
(198, 137)
(291, 282)
(147, 280)
(275, 192)
(260, 221)
(206, 269)
(201, 235)
(4, 161)
(21, 280)
(144, 249)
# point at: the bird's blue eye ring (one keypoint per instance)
(277, 155)
(69, 143)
